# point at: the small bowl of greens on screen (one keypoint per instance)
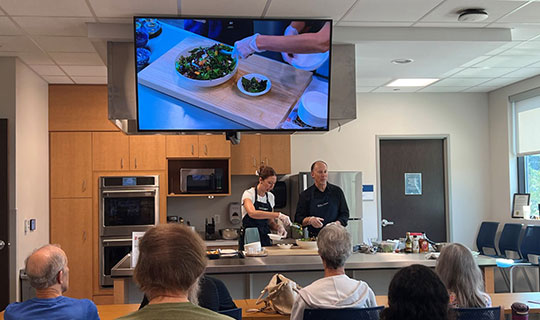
(254, 84)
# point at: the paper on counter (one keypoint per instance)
(135, 238)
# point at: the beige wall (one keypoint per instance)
(32, 160)
(462, 116)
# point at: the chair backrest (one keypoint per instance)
(486, 236)
(493, 313)
(233, 313)
(340, 314)
(530, 244)
(509, 240)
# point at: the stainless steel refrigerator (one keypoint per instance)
(351, 184)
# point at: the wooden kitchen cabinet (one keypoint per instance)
(71, 164)
(71, 228)
(202, 146)
(256, 150)
(147, 152)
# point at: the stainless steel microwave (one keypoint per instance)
(201, 180)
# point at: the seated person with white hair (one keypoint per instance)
(47, 269)
(336, 290)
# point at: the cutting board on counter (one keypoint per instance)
(294, 251)
(263, 112)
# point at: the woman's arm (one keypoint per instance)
(301, 43)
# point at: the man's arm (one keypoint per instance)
(343, 211)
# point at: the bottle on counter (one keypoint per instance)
(424, 245)
(408, 243)
(415, 245)
(520, 311)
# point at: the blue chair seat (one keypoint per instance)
(492, 313)
(235, 313)
(341, 314)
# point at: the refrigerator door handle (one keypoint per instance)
(385, 223)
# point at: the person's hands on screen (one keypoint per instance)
(284, 219)
(316, 222)
(288, 57)
(246, 47)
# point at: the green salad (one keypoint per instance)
(253, 85)
(207, 63)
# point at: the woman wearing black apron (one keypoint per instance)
(258, 207)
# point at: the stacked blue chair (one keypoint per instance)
(233, 313)
(340, 314)
(509, 246)
(493, 313)
(486, 237)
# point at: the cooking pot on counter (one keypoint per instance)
(229, 233)
(439, 245)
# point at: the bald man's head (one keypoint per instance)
(43, 266)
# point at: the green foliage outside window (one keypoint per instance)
(532, 169)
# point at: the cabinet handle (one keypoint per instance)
(84, 236)
(84, 186)
(254, 162)
(266, 161)
(192, 150)
(135, 163)
(205, 150)
(122, 163)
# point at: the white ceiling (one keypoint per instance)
(51, 36)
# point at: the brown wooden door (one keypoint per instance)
(425, 212)
(147, 152)
(276, 152)
(71, 164)
(110, 151)
(71, 228)
(4, 216)
(214, 146)
(245, 156)
(182, 146)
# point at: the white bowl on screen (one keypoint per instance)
(313, 109)
(309, 61)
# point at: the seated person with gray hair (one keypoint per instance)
(172, 258)
(47, 269)
(336, 290)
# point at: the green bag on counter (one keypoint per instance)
(282, 292)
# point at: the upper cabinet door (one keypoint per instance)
(214, 146)
(79, 108)
(147, 152)
(245, 156)
(276, 152)
(110, 151)
(71, 164)
(182, 146)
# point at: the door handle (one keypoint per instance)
(385, 223)
(84, 236)
(122, 163)
(2, 244)
(205, 150)
(84, 186)
(135, 163)
(192, 150)
(254, 163)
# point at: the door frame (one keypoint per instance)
(447, 183)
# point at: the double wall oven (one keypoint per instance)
(126, 204)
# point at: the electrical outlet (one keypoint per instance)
(26, 226)
(217, 218)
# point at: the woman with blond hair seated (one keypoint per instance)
(462, 277)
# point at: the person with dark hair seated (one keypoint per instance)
(416, 293)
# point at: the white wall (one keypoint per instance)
(32, 160)
(464, 117)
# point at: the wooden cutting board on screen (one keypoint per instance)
(294, 251)
(262, 112)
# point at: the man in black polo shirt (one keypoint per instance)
(321, 203)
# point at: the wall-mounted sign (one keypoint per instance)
(413, 183)
(520, 205)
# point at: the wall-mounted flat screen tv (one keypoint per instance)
(223, 74)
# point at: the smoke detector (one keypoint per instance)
(472, 15)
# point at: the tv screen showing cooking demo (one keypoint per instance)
(208, 74)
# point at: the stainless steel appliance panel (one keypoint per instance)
(111, 251)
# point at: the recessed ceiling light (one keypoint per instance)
(402, 61)
(472, 15)
(418, 82)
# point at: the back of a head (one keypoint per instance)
(416, 292)
(171, 259)
(335, 245)
(43, 266)
(460, 273)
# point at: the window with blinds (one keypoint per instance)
(527, 126)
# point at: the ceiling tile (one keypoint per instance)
(448, 10)
(456, 24)
(57, 79)
(459, 82)
(451, 72)
(508, 61)
(474, 61)
(8, 28)
(397, 90)
(525, 72)
(483, 72)
(503, 48)
(86, 71)
(47, 70)
(77, 58)
(372, 82)
(54, 26)
(364, 89)
(309, 8)
(90, 80)
(127, 8)
(65, 44)
(36, 57)
(223, 8)
(529, 13)
(481, 89)
(500, 82)
(390, 10)
(442, 89)
(17, 44)
(52, 8)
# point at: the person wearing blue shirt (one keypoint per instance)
(47, 269)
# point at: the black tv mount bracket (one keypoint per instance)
(233, 136)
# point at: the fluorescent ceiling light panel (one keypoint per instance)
(418, 82)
